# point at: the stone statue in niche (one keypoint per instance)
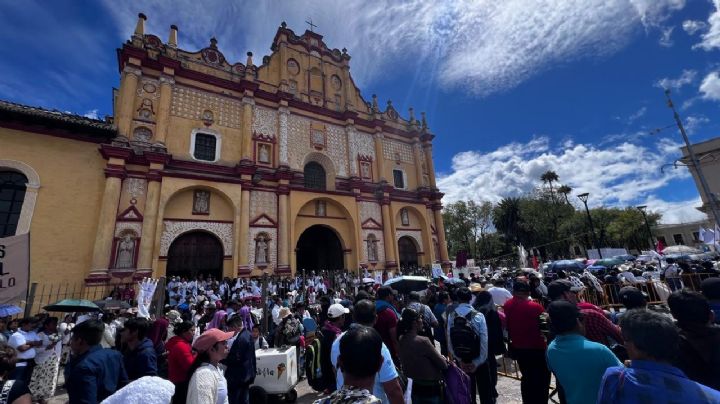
(404, 217)
(372, 249)
(365, 170)
(264, 153)
(201, 202)
(320, 208)
(208, 117)
(126, 252)
(261, 250)
(146, 110)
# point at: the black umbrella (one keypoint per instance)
(408, 283)
(73, 305)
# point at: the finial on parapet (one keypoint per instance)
(283, 24)
(213, 43)
(411, 111)
(173, 38)
(140, 26)
(249, 61)
(375, 106)
(424, 121)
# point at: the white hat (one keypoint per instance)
(336, 310)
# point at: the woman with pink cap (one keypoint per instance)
(207, 382)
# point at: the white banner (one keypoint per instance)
(14, 268)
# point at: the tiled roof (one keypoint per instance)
(11, 107)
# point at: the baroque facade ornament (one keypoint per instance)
(379, 244)
(135, 187)
(263, 203)
(283, 114)
(264, 121)
(172, 229)
(370, 210)
(190, 104)
(393, 150)
(271, 259)
(125, 227)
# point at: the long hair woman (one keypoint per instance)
(45, 374)
(11, 391)
(207, 382)
(420, 360)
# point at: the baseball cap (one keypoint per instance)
(210, 338)
(558, 287)
(336, 310)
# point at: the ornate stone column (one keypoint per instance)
(166, 83)
(352, 148)
(248, 102)
(388, 236)
(379, 156)
(283, 236)
(418, 164)
(283, 118)
(150, 216)
(244, 267)
(106, 224)
(437, 209)
(430, 166)
(126, 100)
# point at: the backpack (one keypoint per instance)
(313, 369)
(465, 341)
(291, 331)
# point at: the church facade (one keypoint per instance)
(224, 169)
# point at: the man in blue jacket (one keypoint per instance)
(93, 373)
(240, 362)
(138, 350)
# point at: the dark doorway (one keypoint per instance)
(408, 252)
(319, 248)
(195, 253)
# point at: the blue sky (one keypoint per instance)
(511, 88)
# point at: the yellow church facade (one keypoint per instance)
(225, 169)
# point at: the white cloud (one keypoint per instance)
(637, 115)
(711, 38)
(666, 37)
(480, 46)
(617, 175)
(695, 122)
(92, 114)
(693, 26)
(676, 212)
(710, 87)
(687, 77)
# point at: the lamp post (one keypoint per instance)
(642, 208)
(584, 199)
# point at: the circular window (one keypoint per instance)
(293, 67)
(335, 82)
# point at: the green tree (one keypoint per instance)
(565, 191)
(548, 177)
(459, 231)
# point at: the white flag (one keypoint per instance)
(707, 236)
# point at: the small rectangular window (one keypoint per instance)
(696, 236)
(398, 179)
(678, 238)
(205, 146)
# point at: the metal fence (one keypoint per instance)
(43, 294)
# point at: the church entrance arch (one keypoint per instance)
(195, 253)
(319, 248)
(408, 252)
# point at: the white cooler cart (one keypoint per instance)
(277, 372)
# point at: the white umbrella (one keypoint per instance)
(681, 249)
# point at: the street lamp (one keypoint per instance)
(642, 208)
(584, 199)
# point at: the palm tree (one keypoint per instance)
(548, 177)
(565, 190)
(506, 218)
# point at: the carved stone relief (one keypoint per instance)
(172, 229)
(299, 138)
(135, 187)
(370, 210)
(263, 203)
(191, 104)
(393, 150)
(264, 121)
(125, 227)
(283, 134)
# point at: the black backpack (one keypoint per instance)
(465, 341)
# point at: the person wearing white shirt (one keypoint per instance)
(25, 340)
(499, 293)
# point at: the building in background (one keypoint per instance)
(708, 153)
(222, 168)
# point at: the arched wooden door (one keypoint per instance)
(195, 253)
(319, 248)
(407, 250)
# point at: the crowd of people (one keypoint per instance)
(360, 342)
